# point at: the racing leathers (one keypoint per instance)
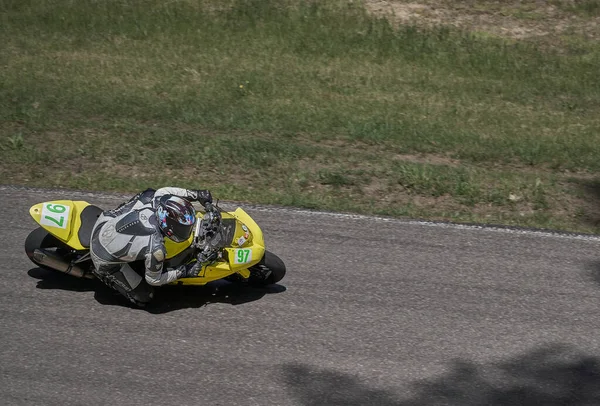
(131, 233)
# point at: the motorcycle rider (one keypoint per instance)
(134, 231)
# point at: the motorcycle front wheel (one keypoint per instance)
(268, 271)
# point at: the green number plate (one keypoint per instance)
(242, 256)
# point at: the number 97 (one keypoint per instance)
(56, 208)
(242, 256)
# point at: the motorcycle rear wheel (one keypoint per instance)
(42, 239)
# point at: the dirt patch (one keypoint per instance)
(510, 19)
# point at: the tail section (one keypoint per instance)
(63, 219)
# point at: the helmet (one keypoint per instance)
(176, 217)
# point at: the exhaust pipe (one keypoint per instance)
(55, 262)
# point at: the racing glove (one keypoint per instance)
(190, 270)
(207, 256)
(203, 196)
(204, 257)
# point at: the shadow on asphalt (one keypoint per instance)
(553, 375)
(167, 298)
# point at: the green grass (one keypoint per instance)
(313, 104)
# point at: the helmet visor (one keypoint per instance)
(178, 232)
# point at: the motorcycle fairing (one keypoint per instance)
(235, 259)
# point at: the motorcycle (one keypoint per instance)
(233, 241)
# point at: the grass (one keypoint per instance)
(312, 104)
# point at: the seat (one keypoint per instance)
(88, 217)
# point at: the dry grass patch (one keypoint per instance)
(529, 19)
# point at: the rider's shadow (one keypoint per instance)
(167, 298)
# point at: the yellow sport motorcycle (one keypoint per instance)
(232, 239)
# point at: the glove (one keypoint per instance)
(207, 255)
(203, 196)
(211, 216)
(190, 270)
(204, 257)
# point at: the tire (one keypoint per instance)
(40, 238)
(268, 271)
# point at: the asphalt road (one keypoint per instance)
(372, 312)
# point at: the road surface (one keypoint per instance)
(372, 312)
